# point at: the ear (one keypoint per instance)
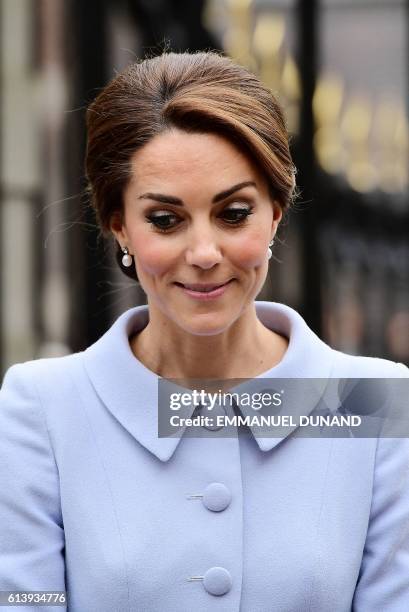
(277, 215)
(118, 228)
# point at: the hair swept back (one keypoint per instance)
(196, 92)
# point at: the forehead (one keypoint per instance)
(191, 158)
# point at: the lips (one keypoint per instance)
(204, 287)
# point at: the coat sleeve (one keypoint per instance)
(383, 582)
(31, 528)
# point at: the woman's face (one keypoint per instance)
(197, 211)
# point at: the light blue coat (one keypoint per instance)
(93, 501)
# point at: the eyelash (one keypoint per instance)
(246, 212)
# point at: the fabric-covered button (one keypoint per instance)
(216, 496)
(217, 581)
(216, 411)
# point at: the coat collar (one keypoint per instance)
(130, 391)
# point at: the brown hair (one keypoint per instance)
(195, 92)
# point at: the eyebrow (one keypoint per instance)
(167, 199)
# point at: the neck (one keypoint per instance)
(246, 349)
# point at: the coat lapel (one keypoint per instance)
(130, 391)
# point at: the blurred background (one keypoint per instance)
(340, 69)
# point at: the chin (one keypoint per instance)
(209, 324)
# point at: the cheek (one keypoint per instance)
(250, 253)
(154, 256)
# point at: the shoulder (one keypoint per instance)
(36, 397)
(354, 366)
(27, 386)
(45, 370)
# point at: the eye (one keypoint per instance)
(164, 221)
(236, 215)
(161, 221)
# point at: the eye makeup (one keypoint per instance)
(161, 219)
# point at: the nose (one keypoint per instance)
(203, 249)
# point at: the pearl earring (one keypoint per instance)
(126, 258)
(269, 251)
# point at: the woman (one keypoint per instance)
(189, 170)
